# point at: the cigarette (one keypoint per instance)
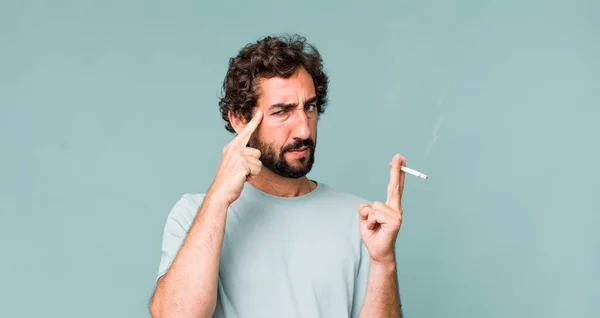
(413, 172)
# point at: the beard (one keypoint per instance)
(277, 162)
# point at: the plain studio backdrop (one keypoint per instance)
(109, 114)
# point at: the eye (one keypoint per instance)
(311, 107)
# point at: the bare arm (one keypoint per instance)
(379, 227)
(189, 288)
(382, 298)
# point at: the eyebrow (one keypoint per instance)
(309, 101)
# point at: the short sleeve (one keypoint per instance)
(176, 229)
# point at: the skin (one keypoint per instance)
(379, 223)
(283, 115)
(379, 227)
(280, 127)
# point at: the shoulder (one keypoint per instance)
(342, 196)
(188, 201)
(342, 202)
(185, 209)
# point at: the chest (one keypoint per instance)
(314, 252)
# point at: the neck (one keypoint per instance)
(277, 185)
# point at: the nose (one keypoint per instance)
(301, 128)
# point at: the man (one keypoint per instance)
(265, 240)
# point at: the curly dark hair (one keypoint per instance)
(269, 57)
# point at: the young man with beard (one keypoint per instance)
(265, 240)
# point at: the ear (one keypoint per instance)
(237, 120)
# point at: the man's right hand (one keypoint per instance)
(239, 164)
(189, 289)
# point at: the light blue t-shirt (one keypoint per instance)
(283, 257)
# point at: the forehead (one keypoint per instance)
(297, 87)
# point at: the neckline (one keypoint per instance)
(301, 198)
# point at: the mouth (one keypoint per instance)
(299, 149)
(300, 152)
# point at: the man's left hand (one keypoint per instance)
(380, 222)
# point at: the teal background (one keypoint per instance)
(109, 114)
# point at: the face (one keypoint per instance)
(287, 134)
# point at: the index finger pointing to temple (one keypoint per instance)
(244, 135)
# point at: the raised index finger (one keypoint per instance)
(396, 184)
(244, 136)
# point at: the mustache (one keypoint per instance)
(299, 143)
